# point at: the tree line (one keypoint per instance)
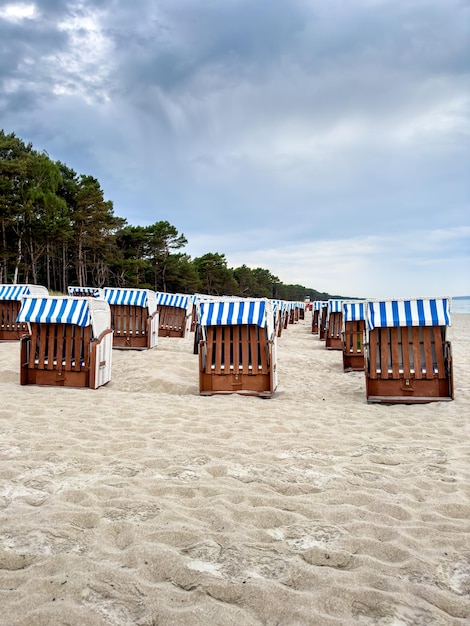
(57, 230)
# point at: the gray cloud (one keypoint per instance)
(261, 129)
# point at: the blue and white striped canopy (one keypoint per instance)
(420, 312)
(319, 304)
(173, 299)
(353, 311)
(227, 312)
(134, 297)
(50, 310)
(335, 306)
(92, 292)
(16, 292)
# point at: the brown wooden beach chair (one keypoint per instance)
(175, 312)
(10, 304)
(134, 318)
(322, 321)
(334, 325)
(353, 336)
(69, 342)
(407, 357)
(238, 351)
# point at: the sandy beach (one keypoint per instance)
(144, 503)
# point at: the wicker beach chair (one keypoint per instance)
(237, 353)
(134, 318)
(353, 336)
(334, 325)
(69, 342)
(10, 304)
(407, 356)
(322, 321)
(175, 313)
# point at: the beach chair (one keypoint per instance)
(69, 342)
(353, 336)
(316, 308)
(334, 325)
(237, 353)
(86, 292)
(10, 303)
(175, 311)
(407, 357)
(134, 318)
(322, 320)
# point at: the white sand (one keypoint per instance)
(144, 503)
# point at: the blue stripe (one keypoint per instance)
(383, 313)
(434, 315)
(231, 308)
(395, 313)
(408, 316)
(421, 315)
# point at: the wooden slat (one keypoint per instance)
(245, 349)
(218, 349)
(439, 346)
(68, 347)
(210, 348)
(60, 346)
(76, 347)
(42, 332)
(405, 346)
(428, 337)
(395, 337)
(373, 341)
(33, 345)
(254, 347)
(416, 352)
(236, 348)
(384, 347)
(263, 350)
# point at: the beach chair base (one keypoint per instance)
(174, 321)
(245, 384)
(353, 362)
(333, 343)
(130, 342)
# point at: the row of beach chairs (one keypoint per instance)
(68, 340)
(401, 345)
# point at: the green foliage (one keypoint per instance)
(57, 229)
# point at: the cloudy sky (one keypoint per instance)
(325, 140)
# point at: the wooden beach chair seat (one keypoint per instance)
(69, 342)
(334, 325)
(134, 318)
(407, 356)
(175, 312)
(353, 336)
(237, 353)
(10, 304)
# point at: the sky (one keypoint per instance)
(327, 141)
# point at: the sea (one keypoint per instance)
(460, 304)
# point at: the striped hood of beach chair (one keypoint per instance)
(353, 311)
(66, 310)
(335, 306)
(145, 298)
(416, 312)
(258, 312)
(92, 292)
(16, 292)
(319, 304)
(179, 301)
